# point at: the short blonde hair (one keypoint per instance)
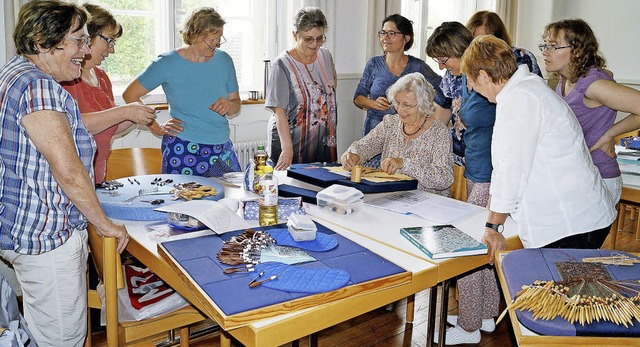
(202, 21)
(449, 40)
(417, 84)
(490, 54)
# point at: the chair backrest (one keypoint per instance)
(459, 186)
(125, 162)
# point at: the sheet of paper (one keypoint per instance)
(211, 213)
(433, 207)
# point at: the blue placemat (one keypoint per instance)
(115, 205)
(524, 266)
(322, 243)
(231, 292)
(318, 175)
(291, 278)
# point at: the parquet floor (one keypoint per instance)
(388, 328)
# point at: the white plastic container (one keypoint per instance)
(301, 227)
(340, 199)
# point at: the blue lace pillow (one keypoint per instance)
(286, 206)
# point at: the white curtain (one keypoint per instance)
(508, 11)
(377, 11)
(10, 9)
(287, 9)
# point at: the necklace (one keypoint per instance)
(415, 132)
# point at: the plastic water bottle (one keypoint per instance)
(267, 189)
(260, 161)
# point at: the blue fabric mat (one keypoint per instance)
(115, 206)
(524, 266)
(231, 292)
(322, 243)
(298, 279)
(290, 191)
(317, 174)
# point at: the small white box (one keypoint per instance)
(340, 199)
(301, 227)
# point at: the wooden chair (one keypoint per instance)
(459, 186)
(625, 207)
(124, 163)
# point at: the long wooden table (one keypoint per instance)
(277, 326)
(373, 228)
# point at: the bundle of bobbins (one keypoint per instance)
(549, 299)
(245, 248)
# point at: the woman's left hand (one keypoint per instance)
(391, 165)
(606, 144)
(221, 106)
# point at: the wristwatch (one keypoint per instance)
(497, 227)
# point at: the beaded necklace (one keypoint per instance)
(415, 132)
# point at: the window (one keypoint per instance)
(427, 15)
(151, 27)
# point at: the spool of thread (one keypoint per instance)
(356, 174)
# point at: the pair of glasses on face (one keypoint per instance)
(310, 39)
(551, 48)
(391, 34)
(110, 42)
(216, 42)
(80, 41)
(441, 62)
(398, 106)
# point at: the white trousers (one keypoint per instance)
(54, 291)
(614, 186)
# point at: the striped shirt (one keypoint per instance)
(35, 214)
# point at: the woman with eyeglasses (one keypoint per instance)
(570, 49)
(396, 37)
(94, 93)
(489, 23)
(301, 92)
(411, 141)
(47, 193)
(200, 83)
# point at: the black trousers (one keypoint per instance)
(590, 240)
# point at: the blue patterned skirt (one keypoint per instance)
(191, 158)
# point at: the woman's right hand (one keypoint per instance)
(380, 104)
(140, 113)
(172, 127)
(285, 160)
(349, 160)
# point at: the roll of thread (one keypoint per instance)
(356, 174)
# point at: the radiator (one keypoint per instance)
(245, 151)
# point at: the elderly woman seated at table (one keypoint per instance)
(412, 142)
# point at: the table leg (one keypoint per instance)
(431, 323)
(313, 340)
(444, 310)
(225, 339)
(411, 299)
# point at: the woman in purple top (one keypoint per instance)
(396, 37)
(570, 49)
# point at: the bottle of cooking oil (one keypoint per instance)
(259, 162)
(268, 200)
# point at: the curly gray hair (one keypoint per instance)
(417, 84)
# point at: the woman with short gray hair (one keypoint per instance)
(302, 94)
(412, 141)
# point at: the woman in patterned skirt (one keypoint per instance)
(200, 83)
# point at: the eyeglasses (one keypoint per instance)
(309, 39)
(220, 40)
(110, 42)
(80, 41)
(398, 106)
(391, 34)
(551, 48)
(441, 62)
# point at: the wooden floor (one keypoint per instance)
(388, 327)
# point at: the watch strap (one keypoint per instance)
(497, 227)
